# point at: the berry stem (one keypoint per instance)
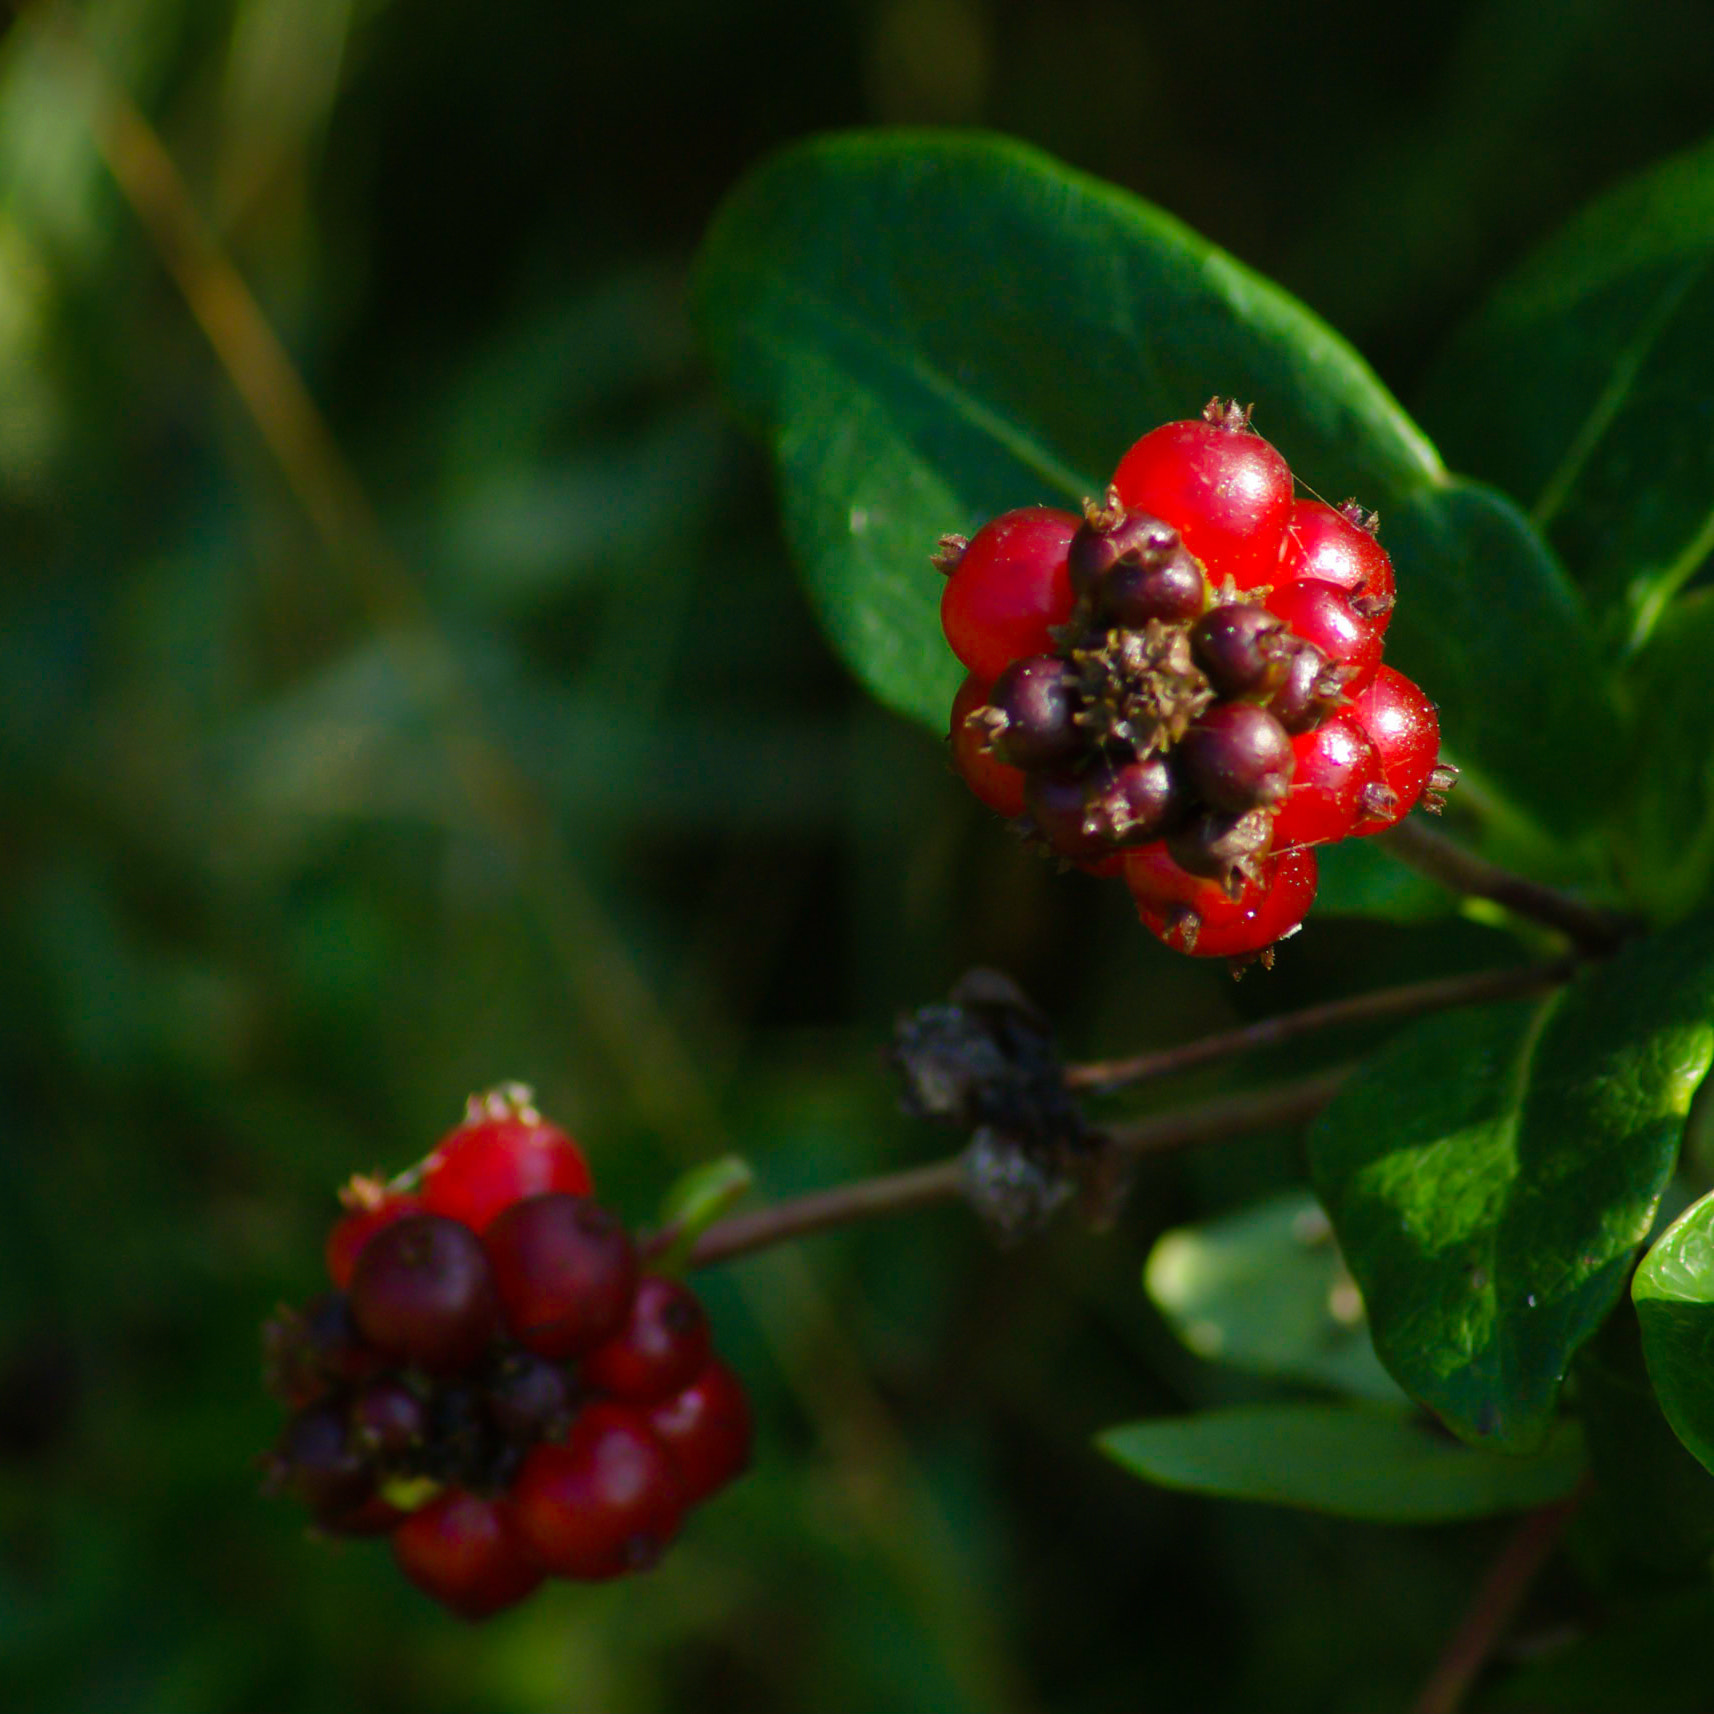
(1596, 933)
(1411, 1000)
(1495, 1605)
(943, 1180)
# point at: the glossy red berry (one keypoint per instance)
(1221, 486)
(660, 1349)
(1337, 778)
(707, 1431)
(566, 1271)
(1321, 614)
(1237, 757)
(503, 1151)
(423, 1293)
(1196, 916)
(1406, 730)
(1008, 586)
(1330, 546)
(606, 1502)
(1001, 788)
(467, 1553)
(370, 1208)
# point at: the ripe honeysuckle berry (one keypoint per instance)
(1032, 714)
(1244, 649)
(1195, 916)
(1406, 730)
(606, 1502)
(1007, 588)
(1338, 774)
(528, 1398)
(706, 1430)
(370, 1208)
(1237, 757)
(1323, 615)
(1224, 848)
(1130, 803)
(658, 1352)
(565, 1270)
(1223, 488)
(1330, 546)
(423, 1292)
(1173, 590)
(308, 1352)
(1058, 805)
(1313, 688)
(1001, 788)
(319, 1463)
(1109, 533)
(388, 1419)
(467, 1553)
(503, 1151)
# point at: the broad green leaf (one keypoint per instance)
(1265, 1289)
(1668, 834)
(929, 329)
(1490, 1172)
(1674, 1294)
(1358, 878)
(1351, 1460)
(1582, 386)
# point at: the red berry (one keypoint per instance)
(1338, 770)
(1009, 585)
(659, 1350)
(503, 1151)
(606, 1502)
(566, 1272)
(423, 1293)
(1197, 917)
(1222, 487)
(1329, 546)
(467, 1553)
(998, 786)
(1406, 731)
(707, 1431)
(370, 1208)
(1321, 614)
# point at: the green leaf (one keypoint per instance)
(1490, 1172)
(1352, 1461)
(1674, 1294)
(1358, 878)
(929, 329)
(693, 1202)
(1582, 389)
(1668, 835)
(1265, 1289)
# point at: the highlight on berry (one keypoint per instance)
(1185, 687)
(496, 1382)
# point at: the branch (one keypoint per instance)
(944, 1180)
(1495, 1605)
(1405, 1002)
(1596, 933)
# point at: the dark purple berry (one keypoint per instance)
(317, 1463)
(530, 1399)
(566, 1270)
(1031, 712)
(1312, 691)
(308, 1352)
(388, 1419)
(1169, 587)
(1058, 804)
(1134, 802)
(423, 1293)
(1244, 649)
(1237, 757)
(1108, 535)
(1223, 848)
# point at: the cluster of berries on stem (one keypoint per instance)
(494, 1382)
(1185, 686)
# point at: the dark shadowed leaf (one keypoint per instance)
(1354, 1461)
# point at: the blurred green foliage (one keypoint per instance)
(288, 873)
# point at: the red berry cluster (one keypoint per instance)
(1185, 687)
(493, 1382)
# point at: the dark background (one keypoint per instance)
(292, 863)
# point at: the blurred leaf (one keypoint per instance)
(859, 302)
(1357, 878)
(1490, 1172)
(1674, 1294)
(1265, 1289)
(1585, 387)
(693, 1203)
(1351, 1460)
(1668, 832)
